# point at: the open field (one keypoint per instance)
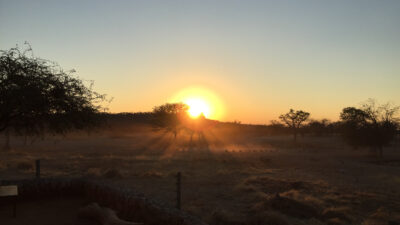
(228, 177)
(200, 112)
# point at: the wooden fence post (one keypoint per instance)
(178, 190)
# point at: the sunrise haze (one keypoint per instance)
(256, 59)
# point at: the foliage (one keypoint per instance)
(170, 116)
(37, 95)
(320, 127)
(294, 119)
(371, 125)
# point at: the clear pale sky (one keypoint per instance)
(260, 57)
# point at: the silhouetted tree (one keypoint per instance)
(294, 119)
(369, 126)
(353, 123)
(36, 95)
(319, 127)
(170, 116)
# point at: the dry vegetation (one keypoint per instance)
(228, 177)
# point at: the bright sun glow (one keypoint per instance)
(197, 107)
(200, 101)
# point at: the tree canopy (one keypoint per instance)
(38, 95)
(294, 119)
(170, 116)
(320, 127)
(371, 125)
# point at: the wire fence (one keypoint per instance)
(39, 167)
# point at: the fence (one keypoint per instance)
(178, 177)
(130, 204)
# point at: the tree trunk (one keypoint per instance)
(295, 135)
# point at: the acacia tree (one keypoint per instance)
(372, 125)
(294, 119)
(170, 116)
(38, 96)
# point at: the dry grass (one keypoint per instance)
(25, 165)
(301, 196)
(112, 174)
(338, 214)
(94, 172)
(152, 173)
(235, 181)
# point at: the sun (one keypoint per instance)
(197, 107)
(200, 101)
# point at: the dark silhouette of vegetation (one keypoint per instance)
(277, 128)
(294, 119)
(127, 118)
(174, 118)
(170, 116)
(36, 95)
(323, 127)
(372, 125)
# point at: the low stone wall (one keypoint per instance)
(129, 204)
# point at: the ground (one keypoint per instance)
(61, 211)
(228, 179)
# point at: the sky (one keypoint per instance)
(260, 58)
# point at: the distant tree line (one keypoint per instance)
(371, 125)
(37, 96)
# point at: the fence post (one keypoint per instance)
(38, 168)
(178, 190)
